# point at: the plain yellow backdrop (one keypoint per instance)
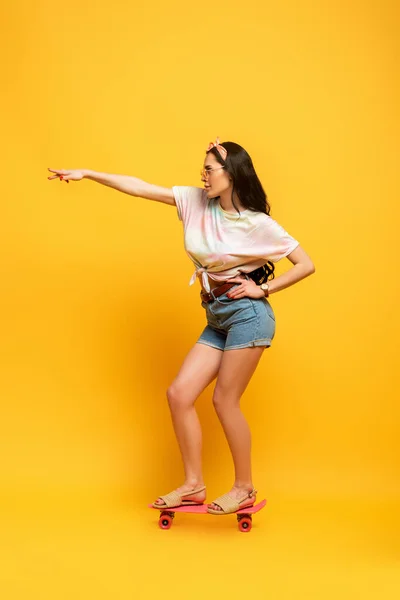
(97, 314)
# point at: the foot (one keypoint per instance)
(238, 493)
(187, 487)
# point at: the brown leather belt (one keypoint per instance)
(218, 291)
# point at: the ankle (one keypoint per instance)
(242, 485)
(194, 483)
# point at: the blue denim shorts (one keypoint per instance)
(238, 322)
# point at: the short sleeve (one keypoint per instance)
(188, 200)
(275, 241)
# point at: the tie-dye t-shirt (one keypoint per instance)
(222, 245)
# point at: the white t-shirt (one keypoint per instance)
(222, 245)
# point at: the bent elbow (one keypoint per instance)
(310, 269)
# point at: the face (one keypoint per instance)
(215, 178)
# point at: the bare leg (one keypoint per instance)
(198, 370)
(236, 370)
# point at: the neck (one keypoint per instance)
(225, 200)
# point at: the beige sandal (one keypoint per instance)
(231, 505)
(174, 499)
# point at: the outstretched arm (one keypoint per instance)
(123, 183)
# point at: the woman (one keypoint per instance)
(233, 242)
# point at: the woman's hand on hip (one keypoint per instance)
(247, 287)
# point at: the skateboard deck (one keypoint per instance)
(244, 515)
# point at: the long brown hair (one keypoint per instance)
(248, 187)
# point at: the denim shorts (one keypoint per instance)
(238, 322)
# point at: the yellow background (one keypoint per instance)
(97, 314)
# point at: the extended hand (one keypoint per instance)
(67, 175)
(247, 287)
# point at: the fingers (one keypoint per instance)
(241, 291)
(60, 174)
(237, 293)
(61, 177)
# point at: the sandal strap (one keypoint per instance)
(174, 498)
(227, 503)
(171, 499)
(230, 504)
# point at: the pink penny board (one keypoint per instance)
(243, 514)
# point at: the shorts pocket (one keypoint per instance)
(269, 309)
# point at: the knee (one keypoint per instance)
(178, 397)
(221, 400)
(224, 400)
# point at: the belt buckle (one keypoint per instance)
(210, 296)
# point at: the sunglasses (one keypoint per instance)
(205, 172)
